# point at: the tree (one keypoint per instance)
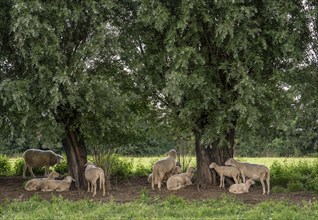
(59, 62)
(220, 68)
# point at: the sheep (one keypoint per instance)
(252, 171)
(38, 158)
(241, 187)
(57, 185)
(162, 167)
(175, 171)
(92, 174)
(224, 171)
(35, 184)
(179, 181)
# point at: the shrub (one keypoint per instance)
(119, 167)
(5, 166)
(295, 186)
(61, 168)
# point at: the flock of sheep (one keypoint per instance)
(166, 170)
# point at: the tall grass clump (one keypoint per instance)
(5, 166)
(292, 177)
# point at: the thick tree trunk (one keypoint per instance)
(76, 157)
(207, 154)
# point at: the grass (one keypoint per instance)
(170, 208)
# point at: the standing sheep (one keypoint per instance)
(179, 181)
(162, 167)
(35, 184)
(241, 187)
(252, 171)
(92, 174)
(224, 171)
(57, 185)
(39, 158)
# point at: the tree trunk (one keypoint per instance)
(76, 154)
(207, 154)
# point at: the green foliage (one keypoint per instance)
(295, 176)
(120, 167)
(61, 168)
(5, 166)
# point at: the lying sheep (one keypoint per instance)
(162, 167)
(252, 171)
(57, 185)
(92, 174)
(179, 181)
(35, 184)
(224, 171)
(175, 171)
(241, 187)
(39, 158)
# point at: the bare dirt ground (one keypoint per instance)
(127, 190)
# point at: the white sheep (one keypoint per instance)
(92, 174)
(35, 184)
(241, 187)
(252, 171)
(179, 181)
(162, 167)
(225, 171)
(39, 158)
(57, 185)
(175, 171)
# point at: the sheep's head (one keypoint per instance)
(212, 165)
(230, 162)
(53, 175)
(172, 153)
(191, 170)
(59, 158)
(69, 179)
(178, 170)
(88, 163)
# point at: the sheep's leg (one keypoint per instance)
(88, 186)
(243, 177)
(153, 179)
(46, 171)
(24, 169)
(94, 187)
(160, 180)
(263, 186)
(268, 184)
(235, 180)
(31, 171)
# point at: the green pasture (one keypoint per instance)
(151, 208)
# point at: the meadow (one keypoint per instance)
(288, 176)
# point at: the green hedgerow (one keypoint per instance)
(5, 166)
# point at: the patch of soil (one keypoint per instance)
(127, 190)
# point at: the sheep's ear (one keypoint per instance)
(73, 180)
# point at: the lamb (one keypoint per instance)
(162, 167)
(35, 184)
(252, 171)
(57, 185)
(92, 174)
(224, 171)
(38, 158)
(179, 181)
(175, 171)
(241, 187)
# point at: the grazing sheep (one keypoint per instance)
(175, 171)
(241, 187)
(224, 171)
(57, 185)
(39, 158)
(179, 181)
(92, 174)
(35, 184)
(162, 167)
(252, 171)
